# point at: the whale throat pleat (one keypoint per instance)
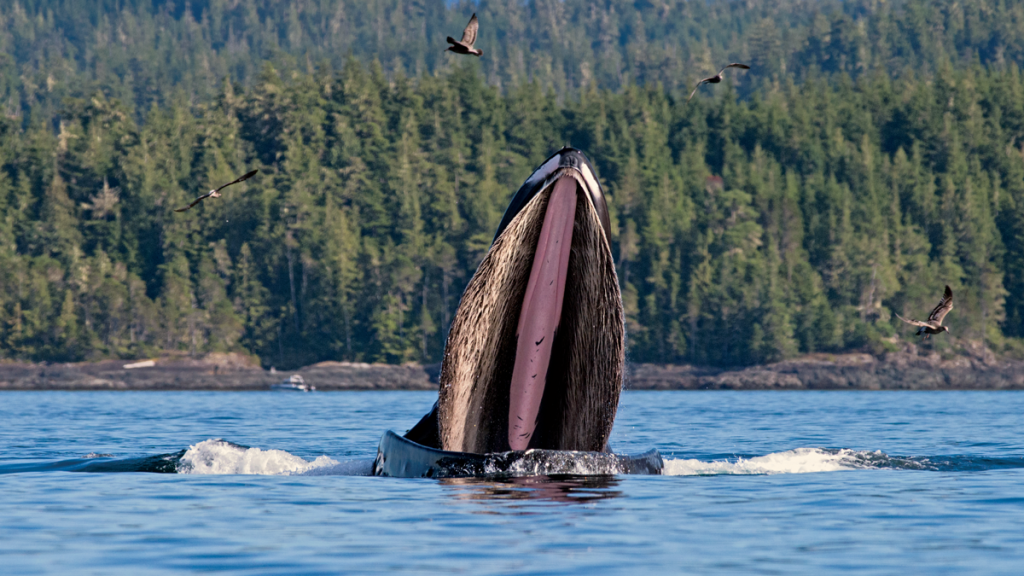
(586, 355)
(540, 313)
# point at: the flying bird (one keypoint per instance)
(717, 77)
(934, 323)
(465, 46)
(216, 193)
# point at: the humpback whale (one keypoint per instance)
(533, 363)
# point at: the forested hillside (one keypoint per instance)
(792, 214)
(151, 51)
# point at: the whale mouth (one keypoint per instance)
(534, 356)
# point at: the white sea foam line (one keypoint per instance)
(220, 457)
(344, 468)
(798, 461)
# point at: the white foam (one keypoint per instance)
(798, 461)
(547, 463)
(220, 457)
(344, 468)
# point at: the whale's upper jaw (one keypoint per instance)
(565, 160)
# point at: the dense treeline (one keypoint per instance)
(143, 52)
(875, 152)
(744, 230)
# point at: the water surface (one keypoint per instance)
(760, 482)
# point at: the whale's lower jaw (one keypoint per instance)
(402, 458)
(584, 377)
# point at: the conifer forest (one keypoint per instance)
(873, 154)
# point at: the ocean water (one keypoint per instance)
(274, 483)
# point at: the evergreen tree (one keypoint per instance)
(751, 226)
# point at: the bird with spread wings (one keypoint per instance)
(933, 325)
(216, 193)
(717, 77)
(465, 46)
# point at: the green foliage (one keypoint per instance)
(143, 52)
(880, 159)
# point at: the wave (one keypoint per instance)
(223, 457)
(217, 456)
(808, 460)
(798, 461)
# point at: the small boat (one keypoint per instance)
(294, 383)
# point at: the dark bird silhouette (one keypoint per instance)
(216, 193)
(933, 325)
(717, 77)
(465, 46)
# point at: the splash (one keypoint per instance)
(807, 460)
(798, 461)
(552, 462)
(222, 457)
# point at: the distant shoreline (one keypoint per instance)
(226, 372)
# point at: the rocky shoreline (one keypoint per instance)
(895, 371)
(229, 372)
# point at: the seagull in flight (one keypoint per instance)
(933, 325)
(216, 193)
(465, 46)
(717, 77)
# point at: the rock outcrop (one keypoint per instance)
(895, 371)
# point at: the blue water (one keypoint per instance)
(767, 483)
